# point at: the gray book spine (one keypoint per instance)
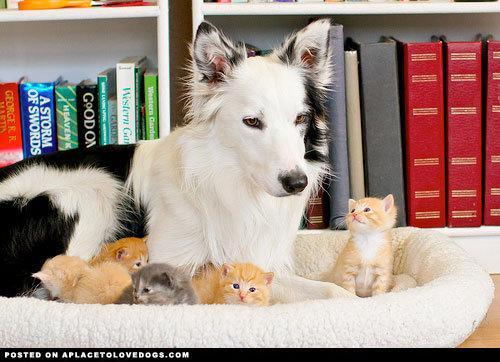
(338, 188)
(381, 123)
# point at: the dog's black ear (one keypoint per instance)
(214, 55)
(308, 48)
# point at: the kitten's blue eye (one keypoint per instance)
(367, 209)
(138, 264)
(352, 211)
(252, 289)
(146, 290)
(236, 286)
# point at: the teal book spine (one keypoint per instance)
(151, 104)
(67, 124)
(106, 81)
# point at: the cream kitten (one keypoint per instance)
(71, 280)
(365, 265)
(241, 283)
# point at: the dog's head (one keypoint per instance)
(269, 110)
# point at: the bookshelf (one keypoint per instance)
(78, 43)
(265, 24)
(319, 8)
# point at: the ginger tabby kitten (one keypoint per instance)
(130, 252)
(241, 283)
(365, 265)
(72, 280)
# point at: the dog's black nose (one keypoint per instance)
(294, 181)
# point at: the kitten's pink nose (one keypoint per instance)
(242, 296)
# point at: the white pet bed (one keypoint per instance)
(451, 299)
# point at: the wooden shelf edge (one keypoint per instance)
(92, 13)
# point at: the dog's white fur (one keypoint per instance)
(211, 189)
(213, 185)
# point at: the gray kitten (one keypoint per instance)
(159, 283)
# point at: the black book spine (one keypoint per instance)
(381, 122)
(339, 189)
(87, 115)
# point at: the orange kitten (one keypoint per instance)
(72, 280)
(241, 283)
(130, 252)
(365, 265)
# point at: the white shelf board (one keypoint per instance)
(361, 8)
(80, 13)
(471, 232)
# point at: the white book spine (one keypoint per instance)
(125, 92)
(12, 4)
(354, 131)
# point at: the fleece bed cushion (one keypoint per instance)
(452, 296)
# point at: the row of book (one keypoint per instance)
(121, 107)
(273, 1)
(14, 4)
(8, 4)
(420, 121)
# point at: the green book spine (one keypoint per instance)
(67, 126)
(107, 88)
(3, 5)
(143, 122)
(151, 103)
(139, 95)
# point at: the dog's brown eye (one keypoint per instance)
(301, 118)
(251, 121)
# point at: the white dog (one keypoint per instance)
(230, 186)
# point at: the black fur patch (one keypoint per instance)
(115, 159)
(288, 55)
(232, 54)
(315, 137)
(34, 230)
(31, 231)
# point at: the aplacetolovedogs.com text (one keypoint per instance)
(94, 355)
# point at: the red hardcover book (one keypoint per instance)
(463, 133)
(315, 215)
(424, 128)
(491, 212)
(11, 143)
